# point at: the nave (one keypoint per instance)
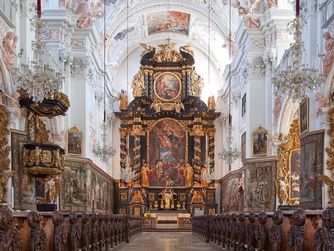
(168, 241)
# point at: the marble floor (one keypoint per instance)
(167, 241)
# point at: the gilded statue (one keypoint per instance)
(50, 190)
(144, 175)
(197, 197)
(123, 100)
(204, 173)
(168, 198)
(211, 103)
(197, 84)
(187, 48)
(9, 47)
(188, 173)
(147, 48)
(137, 197)
(138, 84)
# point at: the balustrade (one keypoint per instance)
(61, 231)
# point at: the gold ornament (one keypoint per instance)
(283, 183)
(138, 85)
(5, 173)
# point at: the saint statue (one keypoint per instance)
(197, 84)
(138, 85)
(144, 174)
(204, 173)
(211, 103)
(50, 191)
(188, 173)
(123, 100)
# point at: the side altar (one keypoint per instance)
(167, 137)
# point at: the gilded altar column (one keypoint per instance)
(136, 160)
(197, 160)
(123, 153)
(211, 150)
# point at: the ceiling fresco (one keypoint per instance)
(168, 21)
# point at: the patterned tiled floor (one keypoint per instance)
(167, 241)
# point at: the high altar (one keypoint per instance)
(167, 137)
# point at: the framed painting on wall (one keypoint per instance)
(260, 142)
(304, 115)
(74, 141)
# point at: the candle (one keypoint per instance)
(297, 8)
(39, 8)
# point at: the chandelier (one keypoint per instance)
(229, 154)
(39, 81)
(103, 151)
(297, 79)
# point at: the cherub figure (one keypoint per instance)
(87, 13)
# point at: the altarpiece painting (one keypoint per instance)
(312, 154)
(167, 153)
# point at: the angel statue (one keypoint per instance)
(147, 48)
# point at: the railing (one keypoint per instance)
(327, 13)
(65, 231)
(269, 231)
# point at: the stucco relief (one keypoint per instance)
(88, 13)
(249, 10)
(9, 50)
(328, 56)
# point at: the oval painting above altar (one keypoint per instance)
(167, 86)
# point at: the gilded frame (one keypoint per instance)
(71, 134)
(260, 131)
(304, 115)
(151, 126)
(155, 82)
(283, 177)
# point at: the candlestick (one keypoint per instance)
(297, 8)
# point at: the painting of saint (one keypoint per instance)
(295, 173)
(74, 141)
(168, 21)
(167, 86)
(167, 152)
(260, 141)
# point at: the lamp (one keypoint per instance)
(297, 79)
(229, 154)
(104, 151)
(39, 81)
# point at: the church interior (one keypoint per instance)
(166, 125)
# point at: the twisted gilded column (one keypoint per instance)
(136, 160)
(211, 150)
(197, 161)
(123, 153)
